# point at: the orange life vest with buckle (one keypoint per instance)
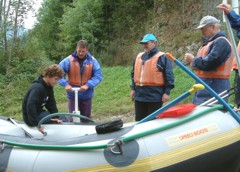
(235, 66)
(222, 71)
(148, 74)
(74, 75)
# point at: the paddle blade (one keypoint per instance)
(176, 111)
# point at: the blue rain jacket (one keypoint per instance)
(93, 82)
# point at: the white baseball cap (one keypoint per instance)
(207, 20)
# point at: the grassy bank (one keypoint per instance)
(111, 99)
(112, 95)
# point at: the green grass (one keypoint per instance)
(112, 95)
(111, 99)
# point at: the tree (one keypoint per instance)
(126, 23)
(5, 9)
(108, 25)
(12, 14)
(47, 30)
(87, 24)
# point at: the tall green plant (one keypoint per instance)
(82, 20)
(47, 30)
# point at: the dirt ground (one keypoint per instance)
(128, 117)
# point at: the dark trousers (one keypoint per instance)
(48, 121)
(84, 106)
(44, 114)
(237, 88)
(143, 109)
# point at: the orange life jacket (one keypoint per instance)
(74, 75)
(148, 74)
(222, 71)
(235, 66)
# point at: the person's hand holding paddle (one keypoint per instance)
(225, 7)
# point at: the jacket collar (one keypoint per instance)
(219, 34)
(153, 51)
(88, 59)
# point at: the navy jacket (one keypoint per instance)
(39, 98)
(219, 52)
(154, 93)
(234, 19)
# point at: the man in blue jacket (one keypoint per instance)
(83, 71)
(152, 78)
(213, 62)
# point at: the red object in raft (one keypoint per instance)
(177, 111)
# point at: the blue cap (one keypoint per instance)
(148, 37)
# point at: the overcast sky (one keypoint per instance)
(31, 19)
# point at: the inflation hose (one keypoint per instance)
(61, 114)
(124, 139)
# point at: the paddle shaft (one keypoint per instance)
(177, 62)
(232, 41)
(16, 124)
(213, 98)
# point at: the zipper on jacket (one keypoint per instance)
(80, 80)
(141, 75)
(81, 73)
